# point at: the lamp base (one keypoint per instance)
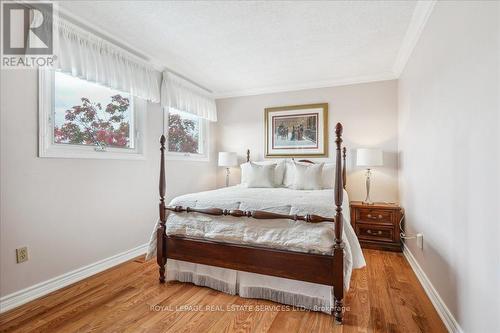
(367, 200)
(227, 177)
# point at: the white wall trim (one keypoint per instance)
(449, 321)
(43, 288)
(305, 86)
(421, 13)
(420, 16)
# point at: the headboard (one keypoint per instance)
(344, 173)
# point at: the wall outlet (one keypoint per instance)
(420, 241)
(22, 254)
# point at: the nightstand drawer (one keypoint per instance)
(375, 232)
(377, 225)
(374, 215)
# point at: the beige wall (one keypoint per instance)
(368, 113)
(74, 212)
(449, 150)
(82, 210)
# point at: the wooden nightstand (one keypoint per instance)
(377, 225)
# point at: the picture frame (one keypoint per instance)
(296, 130)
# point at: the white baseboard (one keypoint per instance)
(449, 321)
(43, 288)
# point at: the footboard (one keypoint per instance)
(253, 259)
(316, 268)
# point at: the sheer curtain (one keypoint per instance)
(89, 57)
(180, 94)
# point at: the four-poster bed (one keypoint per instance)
(309, 267)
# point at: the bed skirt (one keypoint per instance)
(298, 294)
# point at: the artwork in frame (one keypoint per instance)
(297, 131)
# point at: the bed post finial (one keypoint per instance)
(344, 172)
(338, 247)
(338, 132)
(161, 239)
(248, 155)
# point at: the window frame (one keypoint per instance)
(47, 148)
(204, 136)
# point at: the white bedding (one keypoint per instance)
(280, 234)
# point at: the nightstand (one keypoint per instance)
(377, 225)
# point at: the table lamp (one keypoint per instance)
(227, 159)
(368, 157)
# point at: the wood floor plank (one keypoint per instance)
(383, 297)
(206, 316)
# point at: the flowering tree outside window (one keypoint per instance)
(183, 133)
(86, 113)
(92, 124)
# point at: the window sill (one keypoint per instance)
(186, 157)
(88, 153)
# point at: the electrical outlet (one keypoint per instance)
(22, 254)
(420, 241)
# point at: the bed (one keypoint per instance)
(290, 246)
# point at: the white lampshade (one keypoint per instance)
(369, 157)
(228, 159)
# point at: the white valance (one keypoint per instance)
(180, 94)
(89, 57)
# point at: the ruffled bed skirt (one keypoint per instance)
(285, 297)
(249, 285)
(202, 280)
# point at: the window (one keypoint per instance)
(187, 136)
(86, 120)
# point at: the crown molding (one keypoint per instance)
(421, 14)
(305, 86)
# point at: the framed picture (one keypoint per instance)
(297, 131)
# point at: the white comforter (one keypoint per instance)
(280, 234)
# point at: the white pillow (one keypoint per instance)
(279, 171)
(308, 177)
(290, 173)
(328, 175)
(261, 175)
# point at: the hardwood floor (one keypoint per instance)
(384, 297)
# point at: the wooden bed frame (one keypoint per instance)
(315, 268)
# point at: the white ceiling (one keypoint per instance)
(251, 47)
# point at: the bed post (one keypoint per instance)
(248, 155)
(338, 247)
(344, 173)
(161, 238)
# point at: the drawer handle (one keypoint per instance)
(370, 232)
(371, 217)
(380, 216)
